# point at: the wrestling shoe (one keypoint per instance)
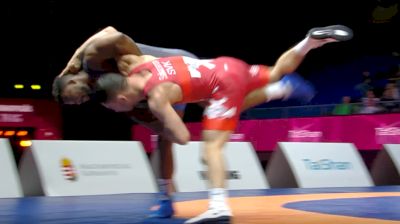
(164, 208)
(297, 88)
(336, 32)
(212, 216)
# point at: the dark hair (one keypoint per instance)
(59, 84)
(108, 86)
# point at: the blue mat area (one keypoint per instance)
(129, 208)
(376, 207)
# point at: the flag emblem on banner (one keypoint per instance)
(68, 169)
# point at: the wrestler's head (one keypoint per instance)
(116, 93)
(71, 88)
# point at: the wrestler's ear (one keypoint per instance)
(121, 98)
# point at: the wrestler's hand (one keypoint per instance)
(73, 67)
(123, 64)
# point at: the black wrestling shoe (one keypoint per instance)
(337, 32)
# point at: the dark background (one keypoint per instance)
(39, 37)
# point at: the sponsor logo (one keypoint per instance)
(194, 64)
(160, 70)
(12, 118)
(93, 169)
(104, 169)
(168, 67)
(254, 70)
(327, 164)
(304, 134)
(230, 175)
(164, 68)
(16, 108)
(68, 169)
(387, 131)
(216, 109)
(238, 136)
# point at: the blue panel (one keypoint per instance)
(372, 207)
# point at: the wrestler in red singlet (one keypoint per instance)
(223, 81)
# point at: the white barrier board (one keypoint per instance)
(244, 170)
(67, 168)
(10, 186)
(312, 165)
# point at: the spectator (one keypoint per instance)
(363, 87)
(395, 76)
(390, 97)
(370, 103)
(344, 108)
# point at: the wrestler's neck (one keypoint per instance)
(138, 81)
(128, 62)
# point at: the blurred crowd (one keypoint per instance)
(377, 93)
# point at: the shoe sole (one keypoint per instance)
(337, 32)
(219, 220)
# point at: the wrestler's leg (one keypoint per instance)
(290, 60)
(220, 119)
(218, 211)
(213, 144)
(291, 86)
(166, 159)
(166, 164)
(165, 209)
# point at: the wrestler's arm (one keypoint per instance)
(74, 64)
(143, 116)
(112, 46)
(173, 127)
